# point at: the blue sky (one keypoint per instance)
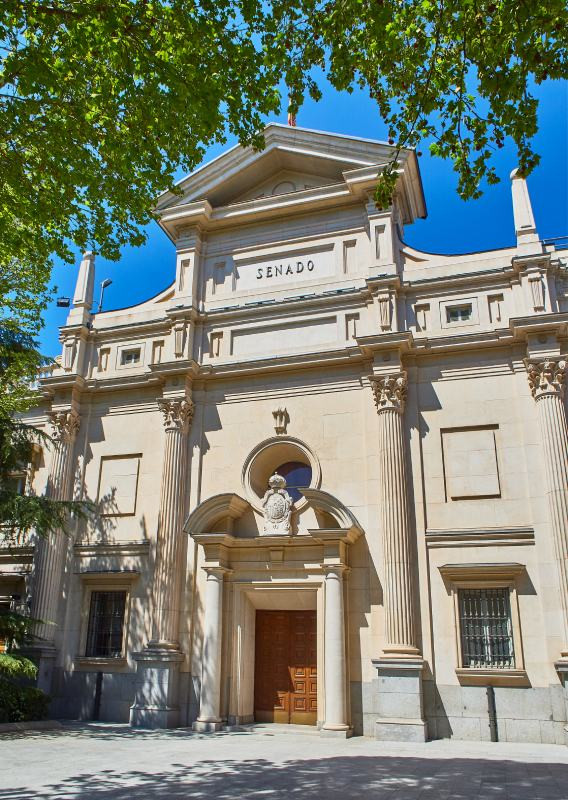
(452, 225)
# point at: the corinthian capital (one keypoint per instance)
(390, 391)
(178, 413)
(64, 424)
(547, 377)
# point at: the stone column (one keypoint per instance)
(546, 380)
(156, 702)
(335, 656)
(399, 701)
(209, 718)
(50, 552)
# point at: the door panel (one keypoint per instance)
(285, 688)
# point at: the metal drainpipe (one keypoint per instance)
(492, 711)
(98, 695)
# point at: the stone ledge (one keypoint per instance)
(492, 677)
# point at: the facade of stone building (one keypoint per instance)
(330, 471)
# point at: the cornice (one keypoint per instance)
(141, 548)
(466, 341)
(557, 323)
(122, 382)
(314, 360)
(473, 279)
(311, 301)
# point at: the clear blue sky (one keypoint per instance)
(452, 225)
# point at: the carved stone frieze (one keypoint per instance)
(64, 424)
(178, 413)
(547, 377)
(390, 391)
(277, 505)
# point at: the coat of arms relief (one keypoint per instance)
(277, 505)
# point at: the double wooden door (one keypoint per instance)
(285, 674)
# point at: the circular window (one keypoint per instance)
(288, 457)
(298, 476)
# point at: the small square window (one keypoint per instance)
(486, 629)
(129, 357)
(106, 625)
(459, 313)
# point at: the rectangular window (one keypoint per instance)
(129, 357)
(459, 313)
(106, 624)
(485, 628)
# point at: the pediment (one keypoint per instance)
(293, 159)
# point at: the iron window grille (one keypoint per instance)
(485, 628)
(106, 623)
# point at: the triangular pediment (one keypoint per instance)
(294, 159)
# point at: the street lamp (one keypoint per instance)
(104, 284)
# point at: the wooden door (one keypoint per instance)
(285, 686)
(271, 674)
(303, 668)
(285, 681)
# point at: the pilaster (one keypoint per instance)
(390, 396)
(547, 379)
(155, 704)
(49, 555)
(399, 693)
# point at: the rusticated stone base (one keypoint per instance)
(203, 726)
(399, 700)
(156, 699)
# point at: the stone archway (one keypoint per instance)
(244, 574)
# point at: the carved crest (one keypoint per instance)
(277, 505)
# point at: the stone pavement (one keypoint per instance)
(113, 762)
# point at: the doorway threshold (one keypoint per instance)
(274, 728)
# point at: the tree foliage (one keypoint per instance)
(101, 101)
(18, 701)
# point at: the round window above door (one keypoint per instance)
(298, 476)
(290, 458)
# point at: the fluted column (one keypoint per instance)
(547, 379)
(178, 414)
(209, 718)
(400, 607)
(49, 557)
(335, 656)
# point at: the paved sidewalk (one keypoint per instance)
(113, 762)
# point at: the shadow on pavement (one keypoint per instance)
(364, 777)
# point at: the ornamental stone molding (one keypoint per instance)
(64, 425)
(547, 377)
(178, 413)
(280, 419)
(390, 391)
(277, 506)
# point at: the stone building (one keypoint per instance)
(330, 470)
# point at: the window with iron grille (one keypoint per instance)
(106, 623)
(485, 628)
